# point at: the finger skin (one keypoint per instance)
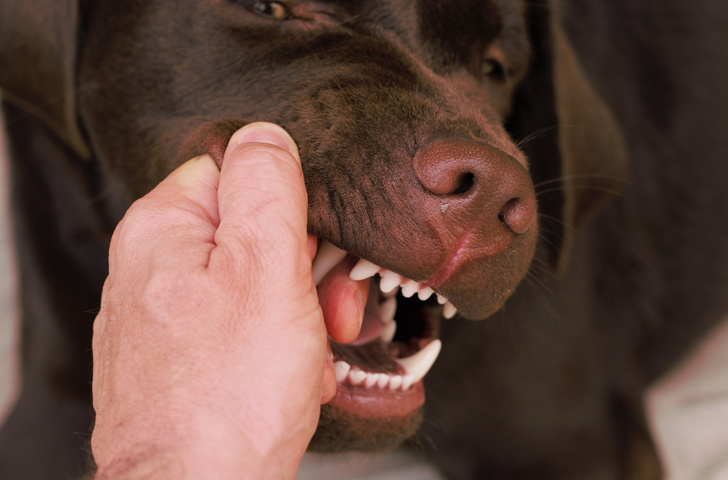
(210, 346)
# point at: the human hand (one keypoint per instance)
(210, 349)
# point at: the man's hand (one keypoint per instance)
(210, 350)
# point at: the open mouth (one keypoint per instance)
(380, 373)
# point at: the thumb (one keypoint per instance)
(262, 202)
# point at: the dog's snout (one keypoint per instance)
(481, 182)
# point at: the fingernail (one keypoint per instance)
(264, 132)
(194, 169)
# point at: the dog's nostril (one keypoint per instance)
(517, 215)
(464, 184)
(447, 168)
(491, 188)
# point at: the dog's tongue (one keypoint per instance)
(377, 377)
(372, 326)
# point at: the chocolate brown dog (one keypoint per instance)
(423, 126)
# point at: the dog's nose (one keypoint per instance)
(479, 185)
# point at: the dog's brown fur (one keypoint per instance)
(104, 99)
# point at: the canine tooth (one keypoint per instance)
(371, 380)
(420, 363)
(356, 377)
(342, 370)
(327, 257)
(425, 293)
(407, 381)
(409, 288)
(440, 299)
(387, 310)
(388, 331)
(384, 379)
(363, 269)
(390, 281)
(449, 310)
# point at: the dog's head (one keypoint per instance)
(406, 113)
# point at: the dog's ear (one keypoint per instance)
(579, 157)
(38, 41)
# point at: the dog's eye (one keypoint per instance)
(494, 70)
(274, 10)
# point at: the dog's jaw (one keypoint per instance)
(376, 376)
(380, 373)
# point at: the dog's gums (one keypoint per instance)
(379, 374)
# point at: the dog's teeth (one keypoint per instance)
(440, 299)
(395, 381)
(407, 382)
(390, 281)
(356, 377)
(388, 331)
(391, 294)
(363, 269)
(387, 310)
(420, 363)
(327, 257)
(342, 370)
(372, 379)
(449, 310)
(409, 288)
(425, 293)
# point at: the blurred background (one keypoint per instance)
(7, 282)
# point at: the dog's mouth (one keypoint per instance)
(379, 374)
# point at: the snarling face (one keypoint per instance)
(398, 109)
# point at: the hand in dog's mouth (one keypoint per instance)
(380, 373)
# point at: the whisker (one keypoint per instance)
(579, 176)
(557, 220)
(520, 144)
(579, 187)
(537, 283)
(545, 242)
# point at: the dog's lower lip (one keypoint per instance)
(372, 403)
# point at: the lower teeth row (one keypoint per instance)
(416, 367)
(357, 377)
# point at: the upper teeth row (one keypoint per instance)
(328, 256)
(390, 281)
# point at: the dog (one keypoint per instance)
(550, 168)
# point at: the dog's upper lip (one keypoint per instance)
(451, 264)
(462, 253)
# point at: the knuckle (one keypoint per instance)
(167, 296)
